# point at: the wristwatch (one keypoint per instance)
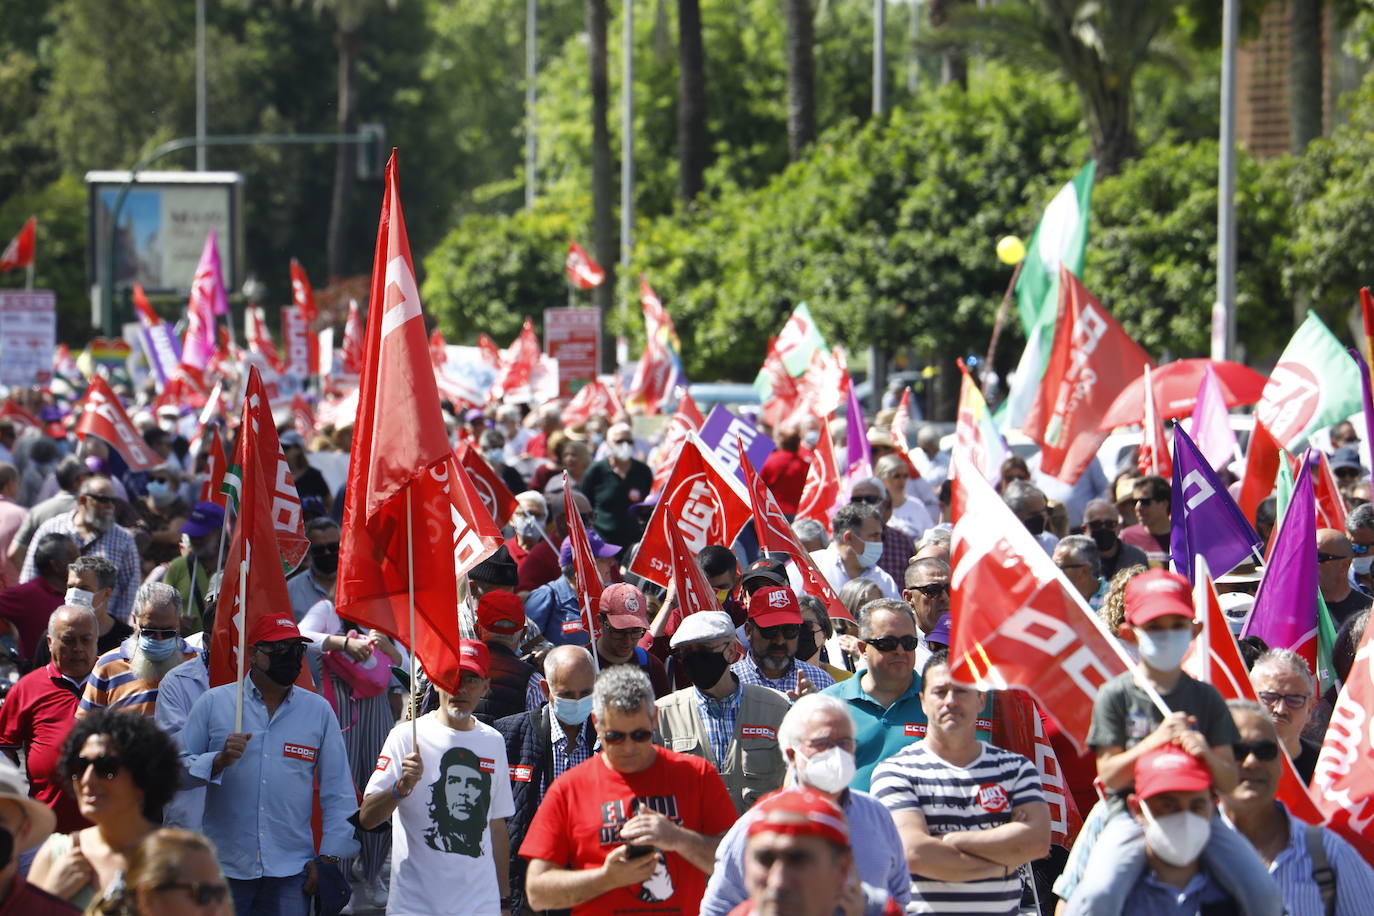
(330, 860)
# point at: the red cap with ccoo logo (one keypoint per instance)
(274, 628)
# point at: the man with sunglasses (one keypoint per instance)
(927, 592)
(897, 545)
(624, 621)
(1315, 869)
(92, 525)
(127, 677)
(1151, 498)
(633, 829)
(1335, 554)
(1287, 691)
(1359, 528)
(773, 630)
(1102, 523)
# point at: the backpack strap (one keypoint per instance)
(641, 657)
(1322, 872)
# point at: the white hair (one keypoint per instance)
(156, 595)
(535, 497)
(1286, 660)
(793, 724)
(623, 688)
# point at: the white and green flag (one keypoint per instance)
(1314, 385)
(797, 340)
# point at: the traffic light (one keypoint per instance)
(371, 152)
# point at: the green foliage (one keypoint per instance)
(1151, 257)
(60, 253)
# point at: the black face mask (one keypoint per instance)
(6, 847)
(284, 667)
(1035, 524)
(806, 643)
(1104, 538)
(704, 669)
(325, 563)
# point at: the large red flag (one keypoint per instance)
(583, 272)
(1261, 467)
(255, 556)
(1091, 361)
(822, 486)
(103, 416)
(776, 535)
(1343, 784)
(214, 472)
(286, 500)
(1016, 726)
(783, 398)
(19, 252)
(708, 504)
(495, 495)
(591, 399)
(589, 584)
(1330, 503)
(1016, 620)
(302, 294)
(393, 540)
(686, 419)
(694, 593)
(652, 379)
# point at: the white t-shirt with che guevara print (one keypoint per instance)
(440, 833)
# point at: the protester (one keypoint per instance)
(161, 513)
(123, 770)
(1151, 499)
(926, 590)
(448, 839)
(28, 606)
(1029, 504)
(190, 573)
(1287, 691)
(71, 473)
(773, 631)
(39, 711)
(309, 481)
(172, 872)
(529, 521)
(177, 694)
(909, 516)
(810, 534)
(1102, 523)
(784, 470)
(92, 526)
(501, 626)
(91, 581)
(970, 815)
(24, 824)
(636, 824)
(616, 483)
(816, 632)
(544, 743)
(856, 546)
(127, 676)
(1335, 556)
(721, 568)
(492, 444)
(554, 608)
(316, 581)
(540, 565)
(817, 738)
(730, 724)
(11, 517)
(260, 780)
(1077, 558)
(897, 544)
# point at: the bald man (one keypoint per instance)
(1334, 556)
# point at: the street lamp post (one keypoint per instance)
(1224, 311)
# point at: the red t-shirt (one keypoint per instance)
(37, 715)
(539, 567)
(785, 474)
(578, 824)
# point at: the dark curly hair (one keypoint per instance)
(144, 749)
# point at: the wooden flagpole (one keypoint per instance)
(410, 592)
(243, 633)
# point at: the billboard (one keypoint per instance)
(573, 337)
(28, 335)
(162, 226)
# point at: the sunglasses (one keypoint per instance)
(105, 766)
(887, 644)
(1145, 501)
(1330, 557)
(1263, 750)
(103, 500)
(294, 649)
(1360, 549)
(158, 634)
(866, 500)
(1105, 524)
(931, 590)
(1291, 700)
(638, 736)
(782, 630)
(635, 633)
(200, 894)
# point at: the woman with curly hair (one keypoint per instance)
(171, 873)
(122, 769)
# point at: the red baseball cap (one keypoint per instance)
(625, 606)
(773, 606)
(800, 812)
(1157, 593)
(274, 628)
(501, 612)
(473, 656)
(1169, 769)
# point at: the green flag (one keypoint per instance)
(1314, 385)
(797, 340)
(1060, 238)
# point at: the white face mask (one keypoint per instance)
(829, 771)
(80, 597)
(811, 437)
(1163, 650)
(1360, 565)
(1176, 838)
(494, 455)
(622, 451)
(872, 552)
(528, 527)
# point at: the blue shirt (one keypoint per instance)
(1292, 872)
(748, 671)
(554, 608)
(880, 732)
(564, 757)
(177, 694)
(257, 810)
(718, 718)
(877, 852)
(1152, 897)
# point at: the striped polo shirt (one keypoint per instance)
(976, 797)
(113, 685)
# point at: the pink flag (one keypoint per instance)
(208, 300)
(1211, 427)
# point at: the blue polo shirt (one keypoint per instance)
(881, 732)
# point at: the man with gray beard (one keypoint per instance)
(127, 677)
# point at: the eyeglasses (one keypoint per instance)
(931, 590)
(635, 633)
(1360, 549)
(1291, 700)
(1103, 524)
(1329, 557)
(105, 766)
(781, 631)
(201, 894)
(281, 650)
(166, 480)
(867, 500)
(1263, 750)
(1068, 566)
(1144, 501)
(824, 744)
(103, 500)
(321, 550)
(638, 736)
(152, 633)
(886, 644)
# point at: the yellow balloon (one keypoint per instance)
(1010, 250)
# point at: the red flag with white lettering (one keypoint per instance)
(583, 272)
(591, 399)
(1343, 783)
(1016, 726)
(1091, 361)
(776, 536)
(589, 584)
(1015, 619)
(1214, 658)
(103, 416)
(784, 398)
(822, 486)
(687, 418)
(694, 593)
(302, 417)
(260, 337)
(496, 497)
(214, 472)
(301, 292)
(708, 504)
(400, 526)
(286, 500)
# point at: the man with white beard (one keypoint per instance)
(127, 676)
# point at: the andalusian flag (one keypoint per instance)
(798, 340)
(1314, 385)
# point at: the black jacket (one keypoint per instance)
(510, 677)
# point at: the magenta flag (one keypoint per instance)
(1285, 611)
(1210, 426)
(209, 299)
(856, 435)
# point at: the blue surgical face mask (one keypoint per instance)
(161, 493)
(572, 712)
(872, 553)
(157, 649)
(1163, 650)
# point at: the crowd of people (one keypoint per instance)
(769, 757)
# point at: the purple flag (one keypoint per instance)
(1368, 398)
(1210, 425)
(856, 434)
(208, 300)
(724, 432)
(1204, 519)
(1285, 611)
(161, 348)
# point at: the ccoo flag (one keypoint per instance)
(1314, 385)
(1205, 520)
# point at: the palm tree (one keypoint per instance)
(801, 76)
(693, 144)
(1305, 72)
